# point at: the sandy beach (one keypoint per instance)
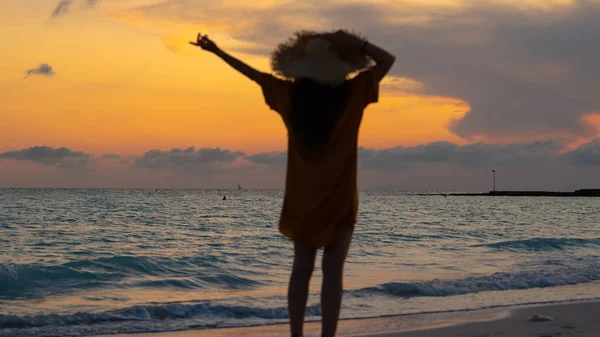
(580, 319)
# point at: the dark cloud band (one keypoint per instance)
(546, 153)
(187, 159)
(62, 157)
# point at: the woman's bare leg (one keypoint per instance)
(331, 291)
(304, 264)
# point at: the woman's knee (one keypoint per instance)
(332, 266)
(303, 269)
(304, 260)
(335, 254)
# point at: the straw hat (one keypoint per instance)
(311, 55)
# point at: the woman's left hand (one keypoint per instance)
(205, 43)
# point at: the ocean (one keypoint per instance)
(82, 262)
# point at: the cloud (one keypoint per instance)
(43, 69)
(268, 158)
(64, 6)
(587, 154)
(188, 160)
(61, 8)
(61, 157)
(542, 153)
(111, 156)
(543, 164)
(469, 155)
(526, 70)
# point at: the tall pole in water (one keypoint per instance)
(494, 173)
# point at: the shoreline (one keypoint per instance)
(567, 316)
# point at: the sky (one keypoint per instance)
(108, 93)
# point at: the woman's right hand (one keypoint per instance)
(343, 40)
(205, 43)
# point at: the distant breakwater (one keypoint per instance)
(577, 193)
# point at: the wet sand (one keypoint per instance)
(581, 319)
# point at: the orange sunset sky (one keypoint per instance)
(118, 77)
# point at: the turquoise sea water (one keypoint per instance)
(84, 262)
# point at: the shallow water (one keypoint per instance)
(84, 262)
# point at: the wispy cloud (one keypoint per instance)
(43, 69)
(65, 6)
(61, 8)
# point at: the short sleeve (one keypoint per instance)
(366, 87)
(276, 92)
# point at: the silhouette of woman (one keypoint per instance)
(322, 109)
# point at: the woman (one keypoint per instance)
(322, 110)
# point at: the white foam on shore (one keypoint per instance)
(145, 319)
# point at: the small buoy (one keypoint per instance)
(224, 198)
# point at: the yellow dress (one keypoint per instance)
(321, 196)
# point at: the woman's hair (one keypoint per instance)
(316, 108)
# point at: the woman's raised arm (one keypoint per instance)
(206, 44)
